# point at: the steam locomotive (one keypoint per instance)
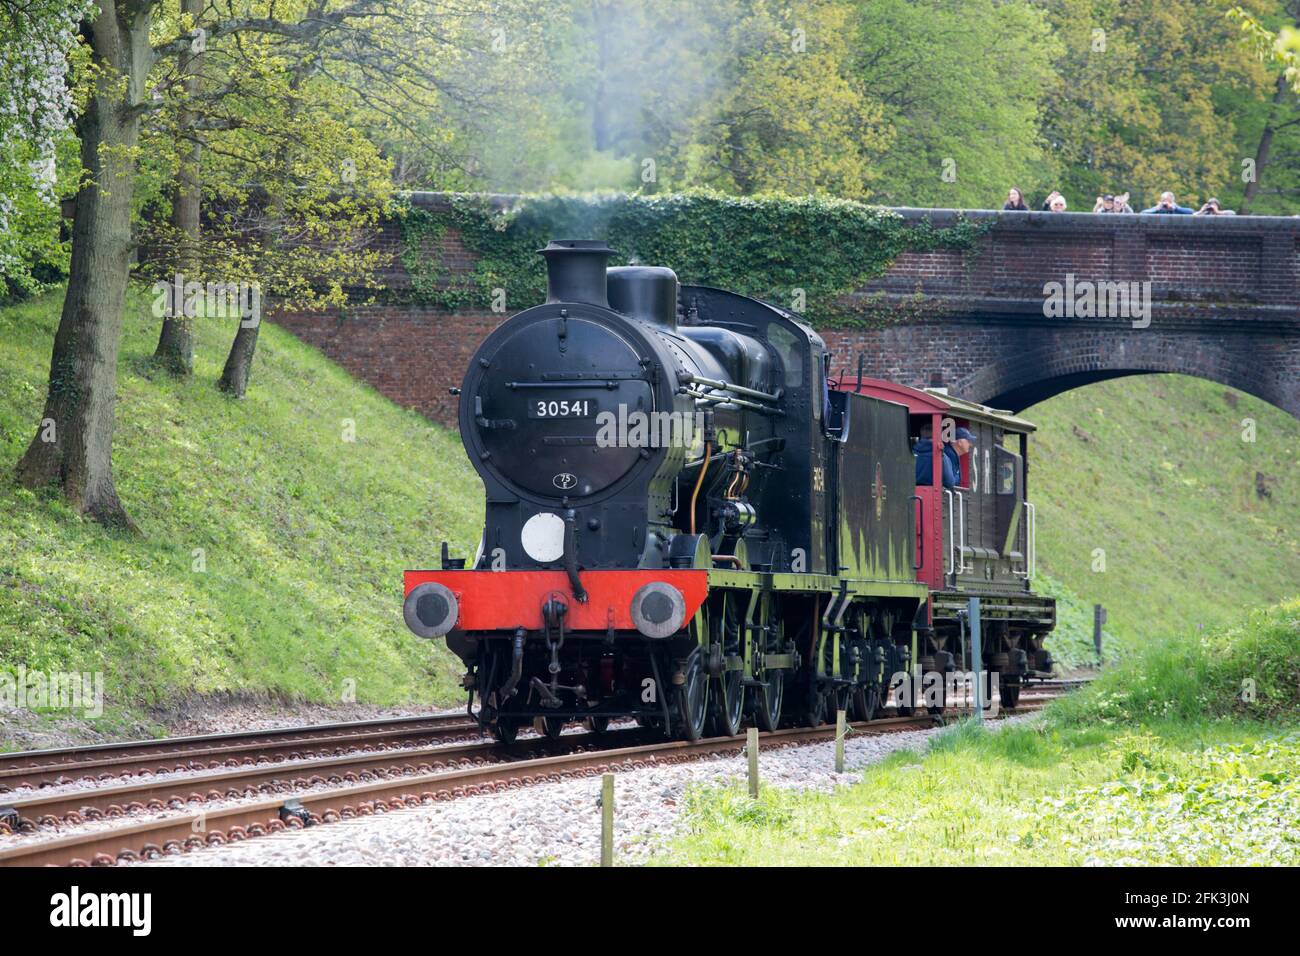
(690, 523)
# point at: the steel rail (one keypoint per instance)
(37, 768)
(232, 784)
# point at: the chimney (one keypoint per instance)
(575, 271)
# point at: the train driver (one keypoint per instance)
(962, 443)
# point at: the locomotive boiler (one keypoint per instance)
(684, 524)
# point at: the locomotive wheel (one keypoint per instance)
(814, 711)
(864, 703)
(768, 700)
(839, 699)
(936, 710)
(552, 727)
(505, 729)
(596, 725)
(1009, 691)
(728, 701)
(693, 695)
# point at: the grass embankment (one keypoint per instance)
(1186, 753)
(271, 547)
(1195, 523)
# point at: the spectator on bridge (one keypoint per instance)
(1051, 197)
(1057, 204)
(1112, 204)
(1212, 208)
(1015, 200)
(1167, 206)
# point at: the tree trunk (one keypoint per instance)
(175, 350)
(73, 442)
(239, 363)
(1265, 142)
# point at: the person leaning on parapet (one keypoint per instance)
(1015, 200)
(1167, 206)
(1212, 208)
(1112, 204)
(1051, 198)
(1056, 203)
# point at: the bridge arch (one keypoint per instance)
(1050, 364)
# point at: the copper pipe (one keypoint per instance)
(695, 493)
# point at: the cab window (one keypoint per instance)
(790, 349)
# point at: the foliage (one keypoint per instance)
(769, 247)
(1234, 804)
(36, 46)
(962, 86)
(302, 535)
(1133, 108)
(786, 112)
(1249, 668)
(291, 189)
(1170, 794)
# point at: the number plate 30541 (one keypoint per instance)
(562, 408)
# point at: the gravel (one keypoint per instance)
(550, 824)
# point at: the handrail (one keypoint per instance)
(1031, 559)
(960, 564)
(950, 565)
(918, 532)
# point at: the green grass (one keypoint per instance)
(270, 550)
(1162, 760)
(1153, 471)
(1200, 794)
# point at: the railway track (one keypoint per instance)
(103, 762)
(235, 803)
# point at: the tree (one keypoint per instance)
(175, 350)
(240, 112)
(37, 38)
(1272, 126)
(73, 442)
(786, 112)
(962, 83)
(1137, 107)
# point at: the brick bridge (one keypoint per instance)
(1224, 305)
